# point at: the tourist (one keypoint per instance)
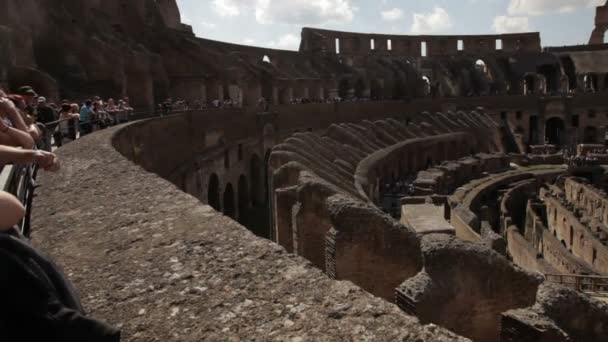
(67, 119)
(73, 124)
(29, 121)
(29, 96)
(101, 116)
(122, 112)
(13, 131)
(44, 113)
(11, 210)
(127, 105)
(86, 114)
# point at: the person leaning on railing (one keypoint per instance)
(66, 116)
(11, 210)
(13, 131)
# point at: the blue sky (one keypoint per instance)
(277, 23)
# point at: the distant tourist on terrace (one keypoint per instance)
(86, 114)
(44, 113)
(67, 119)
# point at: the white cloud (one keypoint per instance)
(304, 12)
(507, 24)
(231, 8)
(287, 42)
(436, 21)
(541, 7)
(392, 14)
(186, 20)
(294, 12)
(249, 41)
(207, 25)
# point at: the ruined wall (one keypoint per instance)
(576, 236)
(592, 201)
(547, 245)
(467, 201)
(525, 255)
(601, 25)
(551, 319)
(351, 43)
(465, 287)
(346, 235)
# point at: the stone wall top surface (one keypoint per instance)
(164, 267)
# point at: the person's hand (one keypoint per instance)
(46, 160)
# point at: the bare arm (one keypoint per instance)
(46, 160)
(8, 107)
(12, 211)
(15, 137)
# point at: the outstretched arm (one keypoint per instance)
(46, 160)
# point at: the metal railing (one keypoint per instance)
(20, 181)
(597, 285)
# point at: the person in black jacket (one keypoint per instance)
(38, 304)
(45, 114)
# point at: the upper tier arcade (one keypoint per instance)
(351, 43)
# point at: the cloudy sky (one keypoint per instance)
(277, 23)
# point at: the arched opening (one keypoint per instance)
(213, 192)
(375, 90)
(554, 131)
(590, 83)
(266, 59)
(529, 84)
(255, 176)
(360, 89)
(344, 89)
(605, 37)
(266, 175)
(398, 90)
(570, 71)
(551, 74)
(481, 66)
(267, 88)
(229, 207)
(590, 135)
(426, 85)
(243, 200)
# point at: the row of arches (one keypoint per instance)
(246, 203)
(555, 133)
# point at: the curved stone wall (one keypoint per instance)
(351, 43)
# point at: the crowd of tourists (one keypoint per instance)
(178, 105)
(37, 302)
(27, 119)
(69, 119)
